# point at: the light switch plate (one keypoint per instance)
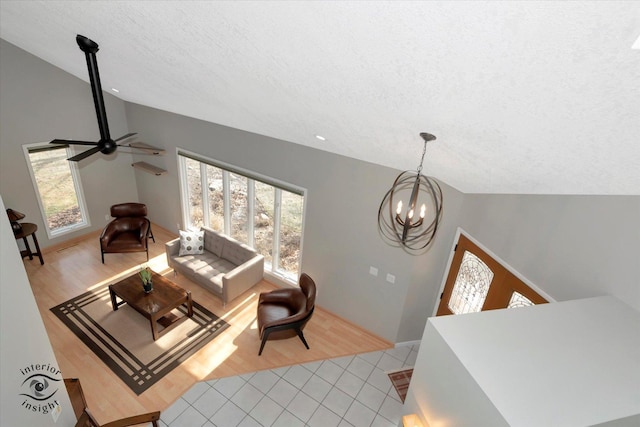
(391, 278)
(373, 271)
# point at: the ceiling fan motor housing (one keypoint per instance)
(109, 146)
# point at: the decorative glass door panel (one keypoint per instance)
(477, 282)
(471, 286)
(519, 300)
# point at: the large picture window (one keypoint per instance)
(58, 188)
(259, 211)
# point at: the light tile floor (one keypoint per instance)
(351, 391)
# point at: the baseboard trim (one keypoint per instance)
(407, 343)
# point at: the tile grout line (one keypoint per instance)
(246, 379)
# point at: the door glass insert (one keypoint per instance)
(471, 286)
(519, 300)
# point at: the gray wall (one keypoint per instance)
(40, 102)
(569, 246)
(341, 239)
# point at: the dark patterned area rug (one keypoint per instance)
(400, 381)
(122, 339)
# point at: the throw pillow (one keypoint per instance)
(191, 242)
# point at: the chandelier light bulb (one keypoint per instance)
(423, 210)
(399, 207)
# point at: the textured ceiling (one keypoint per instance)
(524, 97)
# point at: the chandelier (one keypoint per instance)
(398, 219)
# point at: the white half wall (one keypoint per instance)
(573, 363)
(26, 350)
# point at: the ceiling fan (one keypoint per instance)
(106, 145)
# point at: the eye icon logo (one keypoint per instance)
(39, 387)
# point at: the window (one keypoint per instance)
(58, 188)
(253, 209)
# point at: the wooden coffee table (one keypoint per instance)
(156, 305)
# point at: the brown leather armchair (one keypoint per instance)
(286, 309)
(128, 232)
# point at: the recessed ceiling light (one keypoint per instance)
(321, 138)
(636, 44)
(115, 90)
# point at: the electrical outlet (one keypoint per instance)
(373, 271)
(391, 278)
(107, 217)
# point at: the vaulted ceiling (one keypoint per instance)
(524, 97)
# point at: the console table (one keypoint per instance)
(29, 229)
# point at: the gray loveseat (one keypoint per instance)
(227, 267)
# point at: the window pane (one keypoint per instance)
(238, 187)
(519, 300)
(216, 198)
(194, 193)
(471, 286)
(56, 189)
(290, 232)
(263, 225)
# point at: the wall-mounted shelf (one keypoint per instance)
(144, 166)
(148, 149)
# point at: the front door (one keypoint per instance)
(477, 282)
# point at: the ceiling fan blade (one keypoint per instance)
(84, 154)
(129, 135)
(72, 142)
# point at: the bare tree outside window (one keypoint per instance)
(239, 209)
(290, 230)
(263, 221)
(216, 198)
(58, 188)
(194, 190)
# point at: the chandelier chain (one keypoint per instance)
(424, 150)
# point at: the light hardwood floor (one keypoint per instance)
(74, 267)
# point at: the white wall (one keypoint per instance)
(573, 363)
(24, 343)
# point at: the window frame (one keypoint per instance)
(273, 271)
(77, 184)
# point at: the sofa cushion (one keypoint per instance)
(193, 263)
(212, 276)
(191, 242)
(237, 253)
(213, 241)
